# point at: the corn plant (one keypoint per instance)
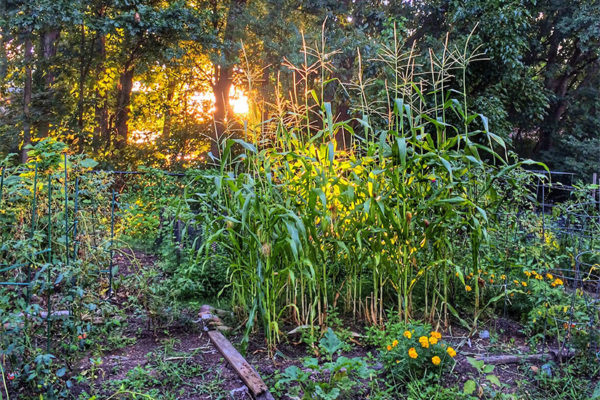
(395, 220)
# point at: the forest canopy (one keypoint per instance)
(161, 83)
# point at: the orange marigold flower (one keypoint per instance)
(407, 334)
(436, 335)
(412, 353)
(451, 352)
(436, 360)
(424, 341)
(389, 347)
(468, 288)
(557, 282)
(394, 343)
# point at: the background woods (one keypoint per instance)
(163, 80)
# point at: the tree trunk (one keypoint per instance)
(123, 106)
(559, 86)
(81, 79)
(49, 41)
(27, 98)
(223, 73)
(3, 40)
(221, 89)
(101, 136)
(168, 113)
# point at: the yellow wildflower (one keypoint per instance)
(436, 335)
(394, 343)
(389, 347)
(436, 360)
(524, 283)
(468, 288)
(407, 334)
(424, 341)
(433, 340)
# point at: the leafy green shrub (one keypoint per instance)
(337, 378)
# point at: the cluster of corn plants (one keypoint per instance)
(395, 220)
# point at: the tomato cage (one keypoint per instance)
(576, 322)
(578, 224)
(57, 239)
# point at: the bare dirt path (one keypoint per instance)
(177, 361)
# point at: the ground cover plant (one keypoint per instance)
(396, 253)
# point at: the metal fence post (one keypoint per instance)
(50, 263)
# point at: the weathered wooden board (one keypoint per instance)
(255, 384)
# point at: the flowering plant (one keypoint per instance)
(418, 353)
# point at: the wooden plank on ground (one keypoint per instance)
(255, 384)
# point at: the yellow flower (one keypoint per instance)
(436, 360)
(433, 340)
(389, 347)
(412, 353)
(557, 282)
(397, 361)
(407, 334)
(468, 288)
(528, 273)
(424, 341)
(436, 335)
(503, 277)
(524, 283)
(394, 343)
(549, 276)
(451, 352)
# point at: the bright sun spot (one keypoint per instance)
(204, 103)
(239, 104)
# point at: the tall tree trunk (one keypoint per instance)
(101, 136)
(221, 89)
(82, 74)
(49, 41)
(3, 40)
(223, 73)
(27, 98)
(123, 106)
(168, 113)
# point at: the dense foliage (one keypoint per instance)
(151, 80)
